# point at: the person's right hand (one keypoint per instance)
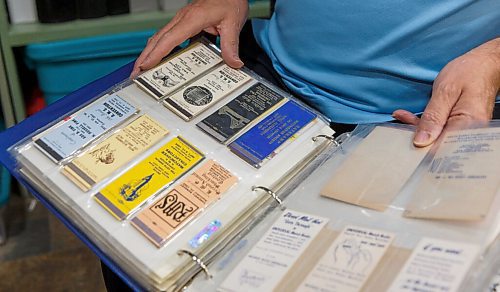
(218, 17)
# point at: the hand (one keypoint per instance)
(218, 17)
(463, 92)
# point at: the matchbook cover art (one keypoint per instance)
(349, 261)
(178, 70)
(206, 91)
(114, 152)
(86, 125)
(123, 195)
(229, 120)
(170, 212)
(266, 138)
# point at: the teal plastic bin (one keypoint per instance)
(64, 66)
(4, 185)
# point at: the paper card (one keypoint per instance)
(123, 195)
(114, 152)
(170, 212)
(387, 269)
(463, 173)
(235, 116)
(349, 261)
(380, 279)
(307, 261)
(269, 260)
(436, 265)
(373, 174)
(178, 70)
(86, 125)
(206, 91)
(263, 140)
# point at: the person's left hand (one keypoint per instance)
(464, 91)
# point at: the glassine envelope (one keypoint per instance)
(372, 175)
(462, 179)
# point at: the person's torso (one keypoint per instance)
(358, 61)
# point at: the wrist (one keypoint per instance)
(491, 50)
(495, 47)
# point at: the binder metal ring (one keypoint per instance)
(331, 138)
(273, 194)
(197, 260)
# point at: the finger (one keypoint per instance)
(435, 115)
(169, 40)
(145, 52)
(135, 71)
(229, 43)
(212, 30)
(406, 117)
(152, 41)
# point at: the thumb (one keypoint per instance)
(434, 118)
(229, 42)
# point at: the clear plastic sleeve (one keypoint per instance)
(169, 266)
(478, 238)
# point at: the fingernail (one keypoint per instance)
(145, 61)
(238, 61)
(422, 138)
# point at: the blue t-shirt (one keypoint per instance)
(357, 61)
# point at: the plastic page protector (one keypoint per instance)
(178, 70)
(123, 195)
(462, 179)
(436, 265)
(372, 175)
(205, 92)
(170, 212)
(114, 152)
(349, 261)
(84, 126)
(277, 251)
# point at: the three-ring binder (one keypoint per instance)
(197, 260)
(273, 194)
(335, 140)
(342, 137)
(331, 138)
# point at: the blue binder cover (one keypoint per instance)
(18, 132)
